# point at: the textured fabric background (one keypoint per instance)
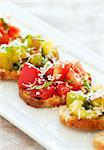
(84, 21)
(12, 138)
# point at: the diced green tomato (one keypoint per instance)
(5, 62)
(29, 40)
(47, 47)
(16, 53)
(74, 95)
(98, 102)
(37, 59)
(78, 110)
(32, 42)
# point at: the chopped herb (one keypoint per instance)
(87, 85)
(47, 65)
(39, 37)
(44, 60)
(87, 105)
(16, 66)
(38, 87)
(70, 81)
(5, 25)
(46, 84)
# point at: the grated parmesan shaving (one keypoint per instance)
(95, 95)
(46, 67)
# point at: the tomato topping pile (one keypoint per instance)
(57, 80)
(7, 32)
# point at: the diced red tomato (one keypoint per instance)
(1, 31)
(57, 71)
(28, 75)
(7, 32)
(68, 66)
(43, 93)
(13, 32)
(62, 89)
(0, 23)
(89, 78)
(4, 39)
(50, 71)
(74, 79)
(78, 68)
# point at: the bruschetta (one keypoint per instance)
(83, 111)
(32, 49)
(48, 86)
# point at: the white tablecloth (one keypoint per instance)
(83, 20)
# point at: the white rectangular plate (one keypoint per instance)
(43, 124)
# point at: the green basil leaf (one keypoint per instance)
(5, 25)
(87, 85)
(46, 84)
(70, 81)
(38, 87)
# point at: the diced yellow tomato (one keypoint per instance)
(5, 62)
(98, 102)
(16, 53)
(55, 53)
(47, 47)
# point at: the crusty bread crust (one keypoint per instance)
(84, 124)
(50, 102)
(8, 75)
(99, 141)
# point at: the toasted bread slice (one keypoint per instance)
(8, 75)
(85, 124)
(99, 141)
(50, 102)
